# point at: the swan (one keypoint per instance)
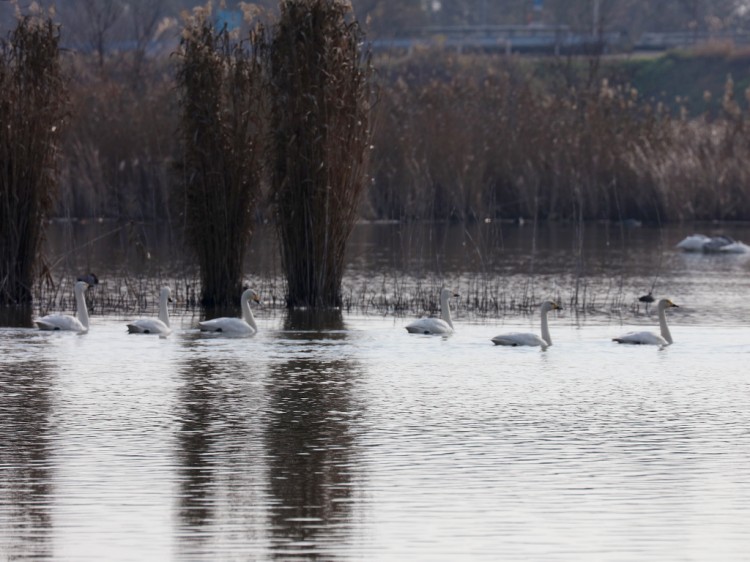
(78, 323)
(432, 326)
(244, 326)
(651, 338)
(158, 325)
(520, 338)
(713, 244)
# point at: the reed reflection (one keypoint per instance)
(16, 316)
(219, 476)
(26, 472)
(308, 437)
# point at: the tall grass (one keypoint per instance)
(223, 104)
(321, 142)
(32, 101)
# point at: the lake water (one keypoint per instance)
(348, 439)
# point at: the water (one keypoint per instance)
(357, 441)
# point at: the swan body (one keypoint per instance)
(652, 338)
(244, 326)
(78, 323)
(160, 325)
(435, 326)
(521, 338)
(713, 244)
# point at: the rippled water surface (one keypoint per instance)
(356, 441)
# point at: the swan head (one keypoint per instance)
(550, 305)
(250, 295)
(447, 293)
(666, 303)
(166, 293)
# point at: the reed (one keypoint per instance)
(322, 96)
(32, 105)
(223, 104)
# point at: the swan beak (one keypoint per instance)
(556, 306)
(456, 295)
(169, 299)
(256, 298)
(673, 304)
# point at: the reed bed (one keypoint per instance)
(32, 105)
(480, 299)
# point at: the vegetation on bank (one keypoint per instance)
(32, 97)
(459, 137)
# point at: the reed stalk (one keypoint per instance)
(223, 104)
(32, 105)
(321, 143)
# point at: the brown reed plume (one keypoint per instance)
(32, 104)
(321, 142)
(223, 102)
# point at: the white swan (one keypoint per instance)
(713, 244)
(160, 325)
(520, 338)
(651, 338)
(244, 326)
(78, 323)
(432, 326)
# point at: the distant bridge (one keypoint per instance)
(543, 39)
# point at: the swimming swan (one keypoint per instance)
(651, 338)
(244, 326)
(160, 325)
(519, 338)
(714, 244)
(432, 326)
(78, 323)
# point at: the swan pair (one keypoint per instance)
(444, 325)
(712, 244)
(244, 326)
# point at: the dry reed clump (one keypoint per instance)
(321, 142)
(223, 119)
(32, 105)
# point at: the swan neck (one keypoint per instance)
(81, 310)
(163, 309)
(247, 314)
(445, 310)
(663, 325)
(545, 328)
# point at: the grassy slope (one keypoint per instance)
(688, 75)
